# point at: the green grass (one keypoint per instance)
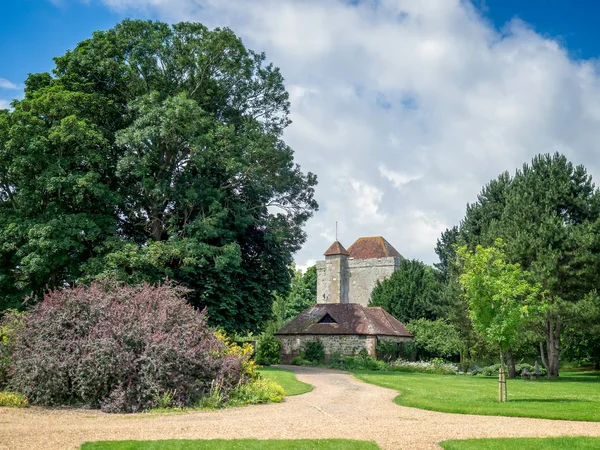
(560, 443)
(237, 444)
(286, 379)
(574, 396)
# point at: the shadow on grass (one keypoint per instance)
(548, 400)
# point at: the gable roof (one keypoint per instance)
(336, 249)
(372, 247)
(351, 318)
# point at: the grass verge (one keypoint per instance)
(285, 379)
(560, 443)
(574, 396)
(236, 444)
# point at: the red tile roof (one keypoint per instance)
(372, 247)
(336, 249)
(350, 318)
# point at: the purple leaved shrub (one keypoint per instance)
(121, 348)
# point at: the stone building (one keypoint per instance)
(349, 276)
(341, 320)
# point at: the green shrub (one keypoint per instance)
(256, 392)
(435, 338)
(386, 350)
(10, 324)
(491, 371)
(407, 350)
(314, 352)
(300, 361)
(436, 366)
(268, 350)
(13, 400)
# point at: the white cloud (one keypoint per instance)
(5, 84)
(405, 108)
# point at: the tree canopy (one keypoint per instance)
(410, 293)
(548, 215)
(154, 151)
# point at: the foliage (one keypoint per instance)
(235, 444)
(243, 353)
(571, 397)
(268, 351)
(435, 338)
(301, 295)
(548, 215)
(300, 361)
(498, 292)
(411, 292)
(314, 352)
(154, 151)
(121, 348)
(286, 379)
(13, 400)
(407, 350)
(436, 366)
(547, 443)
(10, 324)
(258, 391)
(493, 370)
(386, 350)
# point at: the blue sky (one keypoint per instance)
(32, 32)
(403, 120)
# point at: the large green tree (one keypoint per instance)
(411, 292)
(548, 215)
(153, 151)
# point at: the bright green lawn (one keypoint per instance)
(237, 444)
(561, 443)
(286, 379)
(574, 396)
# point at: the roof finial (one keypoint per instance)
(336, 230)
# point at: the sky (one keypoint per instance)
(403, 108)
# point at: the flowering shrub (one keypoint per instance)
(436, 366)
(122, 348)
(13, 400)
(255, 392)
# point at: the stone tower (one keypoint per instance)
(349, 276)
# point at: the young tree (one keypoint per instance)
(499, 295)
(153, 151)
(412, 292)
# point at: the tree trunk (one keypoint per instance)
(543, 356)
(510, 362)
(553, 347)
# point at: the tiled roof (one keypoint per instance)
(336, 249)
(350, 318)
(372, 247)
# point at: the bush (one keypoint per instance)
(268, 349)
(435, 366)
(13, 400)
(300, 361)
(314, 352)
(10, 324)
(121, 348)
(386, 350)
(435, 338)
(491, 371)
(258, 391)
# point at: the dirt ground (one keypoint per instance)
(339, 406)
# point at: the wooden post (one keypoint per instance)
(502, 393)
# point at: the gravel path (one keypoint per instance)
(339, 406)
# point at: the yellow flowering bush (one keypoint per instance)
(13, 400)
(244, 352)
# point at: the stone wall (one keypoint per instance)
(345, 280)
(292, 345)
(362, 276)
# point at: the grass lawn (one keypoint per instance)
(237, 444)
(286, 379)
(561, 443)
(574, 396)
